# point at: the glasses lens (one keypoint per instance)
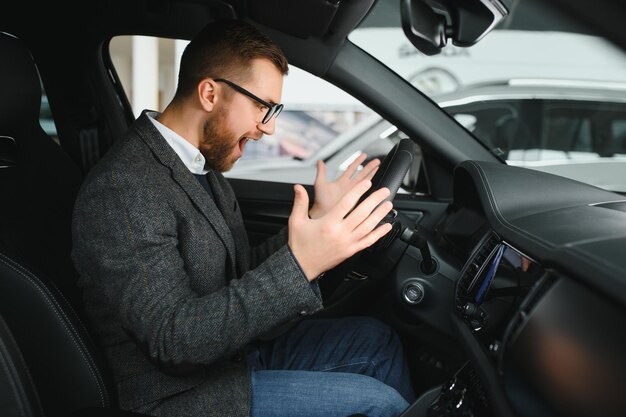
(272, 111)
(279, 108)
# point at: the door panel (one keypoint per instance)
(266, 206)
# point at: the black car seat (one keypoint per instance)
(66, 367)
(18, 396)
(49, 366)
(39, 299)
(38, 181)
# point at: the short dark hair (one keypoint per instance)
(224, 49)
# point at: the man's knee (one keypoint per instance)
(380, 399)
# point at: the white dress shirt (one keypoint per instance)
(189, 154)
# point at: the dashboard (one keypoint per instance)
(533, 268)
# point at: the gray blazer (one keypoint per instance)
(171, 286)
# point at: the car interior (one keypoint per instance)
(506, 285)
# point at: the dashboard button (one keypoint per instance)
(413, 293)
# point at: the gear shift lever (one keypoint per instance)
(414, 238)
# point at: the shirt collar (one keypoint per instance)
(189, 154)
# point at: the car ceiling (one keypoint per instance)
(323, 19)
(323, 24)
(328, 20)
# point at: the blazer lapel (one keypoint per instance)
(227, 203)
(185, 179)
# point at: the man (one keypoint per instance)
(178, 300)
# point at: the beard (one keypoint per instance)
(217, 143)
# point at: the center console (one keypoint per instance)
(494, 284)
(538, 343)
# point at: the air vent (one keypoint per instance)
(475, 266)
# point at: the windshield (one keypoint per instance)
(539, 91)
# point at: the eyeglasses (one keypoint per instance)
(272, 109)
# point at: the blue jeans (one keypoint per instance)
(331, 367)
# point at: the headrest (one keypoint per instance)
(20, 100)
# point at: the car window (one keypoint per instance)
(46, 120)
(569, 132)
(543, 129)
(318, 118)
(301, 135)
(618, 134)
(538, 90)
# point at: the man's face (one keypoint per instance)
(237, 118)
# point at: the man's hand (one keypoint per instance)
(328, 194)
(321, 244)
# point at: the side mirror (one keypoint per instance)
(428, 24)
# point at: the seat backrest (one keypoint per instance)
(67, 369)
(39, 183)
(18, 396)
(39, 298)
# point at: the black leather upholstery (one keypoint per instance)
(63, 361)
(38, 293)
(40, 182)
(18, 397)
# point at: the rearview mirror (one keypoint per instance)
(428, 24)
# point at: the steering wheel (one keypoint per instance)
(393, 168)
(390, 174)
